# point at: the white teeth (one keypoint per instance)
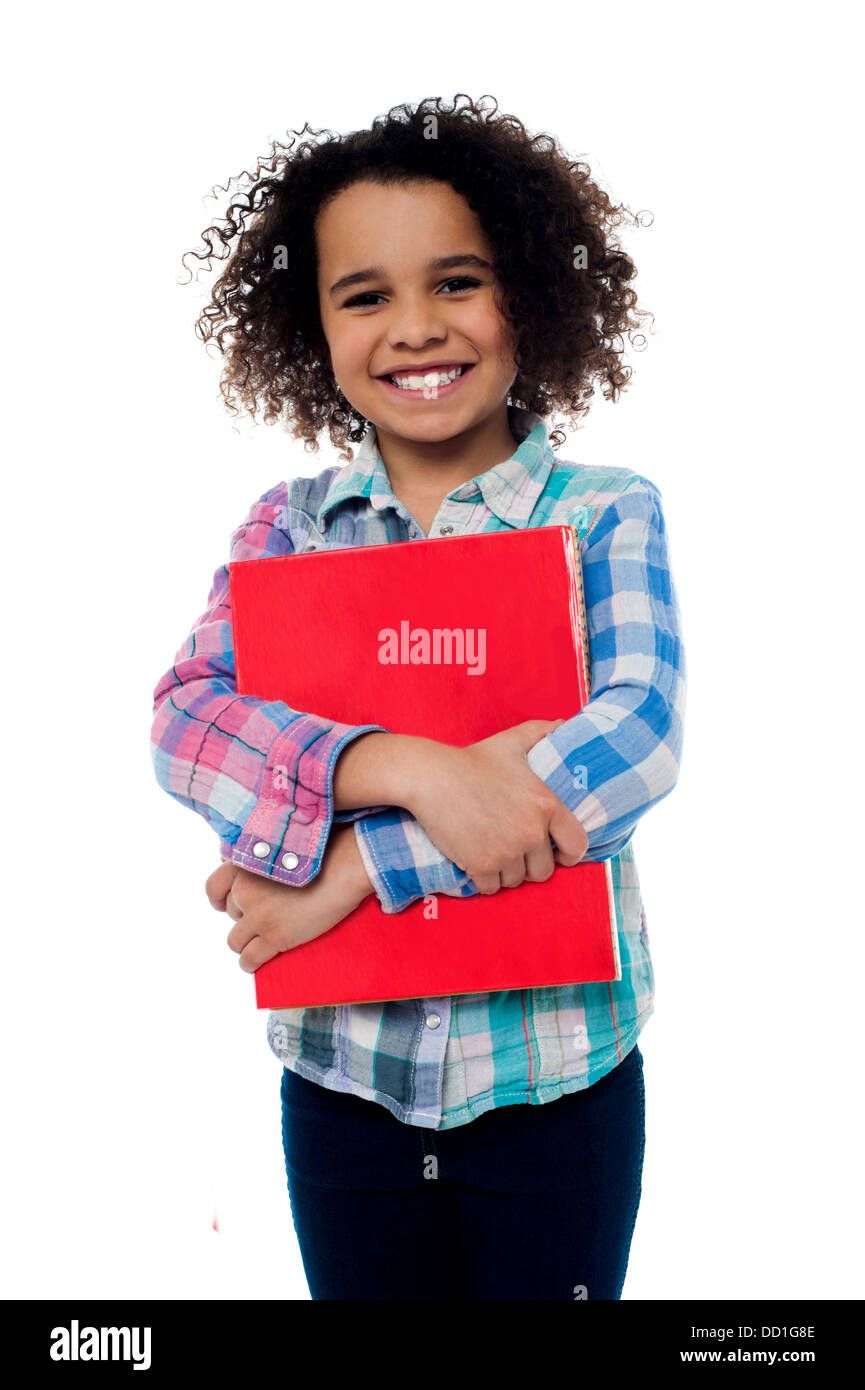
(417, 383)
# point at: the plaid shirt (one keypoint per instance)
(441, 1062)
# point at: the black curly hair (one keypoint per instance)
(541, 212)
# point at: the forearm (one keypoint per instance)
(379, 769)
(402, 863)
(344, 855)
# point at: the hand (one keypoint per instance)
(486, 809)
(270, 917)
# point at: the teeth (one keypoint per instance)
(417, 383)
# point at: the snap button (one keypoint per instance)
(433, 1020)
(261, 849)
(290, 860)
(446, 530)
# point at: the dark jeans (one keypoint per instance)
(524, 1202)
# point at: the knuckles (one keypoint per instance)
(541, 878)
(520, 846)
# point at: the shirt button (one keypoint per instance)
(290, 860)
(261, 849)
(446, 530)
(433, 1020)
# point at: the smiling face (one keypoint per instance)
(406, 288)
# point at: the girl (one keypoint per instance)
(431, 288)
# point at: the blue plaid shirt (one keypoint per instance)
(438, 1063)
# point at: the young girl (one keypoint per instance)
(432, 288)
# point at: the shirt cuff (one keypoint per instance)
(286, 835)
(402, 862)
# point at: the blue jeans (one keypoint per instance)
(524, 1202)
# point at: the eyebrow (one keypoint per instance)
(378, 272)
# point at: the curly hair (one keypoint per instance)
(541, 213)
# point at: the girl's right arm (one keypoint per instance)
(482, 806)
(259, 772)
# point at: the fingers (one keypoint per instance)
(537, 866)
(257, 953)
(241, 934)
(487, 883)
(252, 948)
(514, 873)
(232, 907)
(532, 731)
(219, 884)
(540, 864)
(569, 835)
(245, 937)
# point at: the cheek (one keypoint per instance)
(340, 362)
(503, 344)
(350, 347)
(491, 331)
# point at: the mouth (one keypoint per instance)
(430, 384)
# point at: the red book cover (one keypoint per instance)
(453, 639)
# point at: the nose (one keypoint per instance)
(414, 322)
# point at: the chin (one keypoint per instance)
(428, 431)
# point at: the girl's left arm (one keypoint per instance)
(620, 755)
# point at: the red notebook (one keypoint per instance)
(453, 639)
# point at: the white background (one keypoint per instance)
(140, 1097)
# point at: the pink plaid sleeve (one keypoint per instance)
(259, 773)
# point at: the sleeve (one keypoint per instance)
(259, 772)
(620, 755)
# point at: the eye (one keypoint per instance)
(465, 281)
(462, 282)
(359, 299)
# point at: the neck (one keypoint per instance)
(420, 467)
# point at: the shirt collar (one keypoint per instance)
(510, 489)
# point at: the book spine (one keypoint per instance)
(614, 919)
(584, 662)
(578, 612)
